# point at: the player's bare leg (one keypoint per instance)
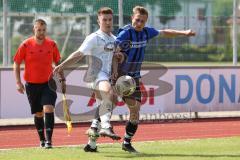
(105, 110)
(132, 125)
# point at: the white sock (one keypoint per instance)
(105, 120)
(92, 143)
(95, 123)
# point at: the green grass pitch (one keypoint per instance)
(195, 149)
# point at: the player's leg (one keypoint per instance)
(36, 109)
(48, 101)
(131, 125)
(106, 108)
(95, 125)
(92, 132)
(39, 124)
(49, 124)
(93, 135)
(134, 102)
(94, 128)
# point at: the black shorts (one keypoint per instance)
(40, 95)
(137, 93)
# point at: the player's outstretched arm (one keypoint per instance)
(72, 59)
(174, 33)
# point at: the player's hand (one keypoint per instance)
(20, 87)
(58, 69)
(189, 32)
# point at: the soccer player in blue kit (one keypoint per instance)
(138, 35)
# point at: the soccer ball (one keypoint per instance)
(125, 85)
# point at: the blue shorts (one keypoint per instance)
(40, 95)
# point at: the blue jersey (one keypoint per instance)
(133, 44)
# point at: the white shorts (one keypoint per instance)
(102, 76)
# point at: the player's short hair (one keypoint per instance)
(40, 21)
(105, 10)
(141, 10)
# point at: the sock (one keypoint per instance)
(99, 119)
(39, 124)
(49, 125)
(96, 116)
(92, 143)
(105, 120)
(95, 123)
(96, 120)
(105, 113)
(130, 131)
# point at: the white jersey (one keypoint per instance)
(99, 46)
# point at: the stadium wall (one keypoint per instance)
(165, 90)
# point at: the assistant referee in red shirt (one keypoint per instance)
(39, 53)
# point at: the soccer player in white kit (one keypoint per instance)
(99, 47)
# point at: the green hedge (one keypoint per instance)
(186, 53)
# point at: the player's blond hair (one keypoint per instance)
(105, 10)
(141, 10)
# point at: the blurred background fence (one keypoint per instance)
(69, 21)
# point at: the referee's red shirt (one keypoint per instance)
(38, 59)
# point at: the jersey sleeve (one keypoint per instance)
(123, 35)
(56, 53)
(123, 40)
(152, 32)
(20, 54)
(88, 44)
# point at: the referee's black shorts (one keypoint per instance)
(40, 95)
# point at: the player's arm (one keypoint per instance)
(19, 85)
(114, 68)
(174, 33)
(62, 79)
(117, 58)
(78, 55)
(60, 73)
(72, 59)
(56, 59)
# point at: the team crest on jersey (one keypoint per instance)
(109, 47)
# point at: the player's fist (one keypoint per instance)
(189, 32)
(58, 69)
(20, 87)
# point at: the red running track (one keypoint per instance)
(26, 136)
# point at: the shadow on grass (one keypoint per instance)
(146, 155)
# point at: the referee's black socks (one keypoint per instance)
(131, 129)
(39, 124)
(49, 125)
